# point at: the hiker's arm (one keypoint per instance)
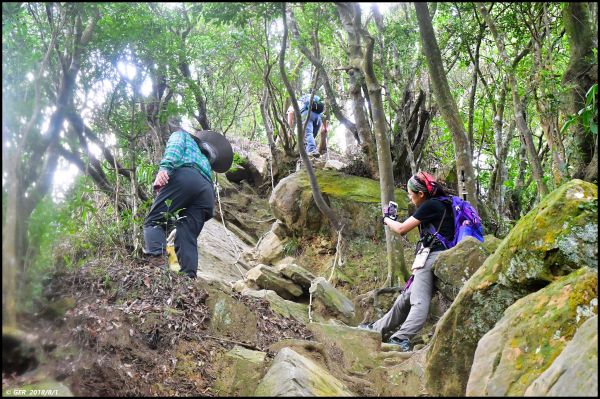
(402, 227)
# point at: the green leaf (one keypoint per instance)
(567, 124)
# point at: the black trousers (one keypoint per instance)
(192, 194)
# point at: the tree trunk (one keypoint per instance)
(317, 196)
(546, 111)
(474, 86)
(32, 183)
(352, 26)
(362, 61)
(447, 105)
(514, 204)
(9, 245)
(410, 134)
(332, 102)
(536, 166)
(580, 75)
(496, 181)
(397, 271)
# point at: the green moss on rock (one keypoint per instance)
(356, 200)
(532, 333)
(528, 259)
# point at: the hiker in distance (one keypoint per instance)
(184, 183)
(314, 120)
(411, 308)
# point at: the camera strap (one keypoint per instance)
(434, 234)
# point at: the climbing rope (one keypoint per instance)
(239, 252)
(337, 254)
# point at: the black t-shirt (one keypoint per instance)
(431, 212)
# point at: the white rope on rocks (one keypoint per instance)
(239, 252)
(338, 254)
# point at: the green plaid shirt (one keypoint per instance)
(182, 151)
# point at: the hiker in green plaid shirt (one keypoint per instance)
(185, 180)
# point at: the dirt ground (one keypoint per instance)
(134, 331)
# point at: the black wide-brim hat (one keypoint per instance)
(220, 150)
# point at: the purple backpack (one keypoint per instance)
(466, 222)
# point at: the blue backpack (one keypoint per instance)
(466, 222)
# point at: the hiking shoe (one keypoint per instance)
(157, 261)
(402, 343)
(366, 326)
(314, 154)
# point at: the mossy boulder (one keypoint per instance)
(558, 236)
(532, 333)
(456, 265)
(357, 348)
(238, 370)
(231, 318)
(356, 201)
(330, 302)
(491, 243)
(269, 278)
(283, 307)
(297, 274)
(403, 379)
(292, 374)
(575, 371)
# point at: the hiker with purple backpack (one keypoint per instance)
(442, 221)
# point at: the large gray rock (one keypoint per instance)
(532, 333)
(455, 266)
(270, 248)
(404, 378)
(269, 278)
(558, 236)
(231, 318)
(575, 371)
(297, 274)
(218, 250)
(238, 371)
(355, 200)
(354, 348)
(330, 302)
(283, 307)
(292, 374)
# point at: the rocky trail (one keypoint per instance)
(266, 318)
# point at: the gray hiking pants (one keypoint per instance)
(194, 195)
(412, 306)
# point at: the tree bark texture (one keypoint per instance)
(31, 184)
(351, 23)
(580, 75)
(397, 272)
(317, 196)
(447, 105)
